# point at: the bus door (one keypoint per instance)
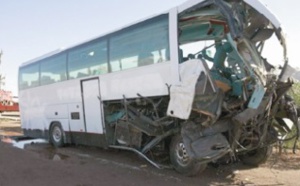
(91, 106)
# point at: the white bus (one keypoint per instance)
(190, 84)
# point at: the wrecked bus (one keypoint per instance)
(184, 88)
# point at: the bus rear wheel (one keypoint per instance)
(56, 135)
(181, 161)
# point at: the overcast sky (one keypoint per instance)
(31, 28)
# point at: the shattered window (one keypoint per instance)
(196, 49)
(272, 51)
(250, 55)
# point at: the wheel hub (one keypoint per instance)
(182, 155)
(57, 134)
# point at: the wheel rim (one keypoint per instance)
(57, 134)
(181, 155)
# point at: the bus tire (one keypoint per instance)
(56, 135)
(180, 160)
(257, 156)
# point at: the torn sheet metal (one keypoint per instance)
(205, 144)
(257, 96)
(182, 95)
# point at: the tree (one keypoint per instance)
(295, 93)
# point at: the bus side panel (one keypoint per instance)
(45, 104)
(32, 112)
(59, 102)
(54, 112)
(32, 124)
(76, 117)
(151, 80)
(39, 105)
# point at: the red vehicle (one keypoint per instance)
(9, 108)
(8, 102)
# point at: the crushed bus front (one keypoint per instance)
(231, 99)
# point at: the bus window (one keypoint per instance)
(115, 65)
(29, 76)
(53, 70)
(143, 45)
(88, 60)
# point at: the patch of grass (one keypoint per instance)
(290, 144)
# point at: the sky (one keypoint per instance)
(31, 28)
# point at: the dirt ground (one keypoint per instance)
(40, 164)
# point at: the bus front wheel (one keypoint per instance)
(257, 156)
(181, 161)
(56, 135)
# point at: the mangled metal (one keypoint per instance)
(242, 87)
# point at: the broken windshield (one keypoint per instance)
(233, 37)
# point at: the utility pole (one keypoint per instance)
(2, 78)
(1, 56)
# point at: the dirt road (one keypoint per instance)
(40, 164)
